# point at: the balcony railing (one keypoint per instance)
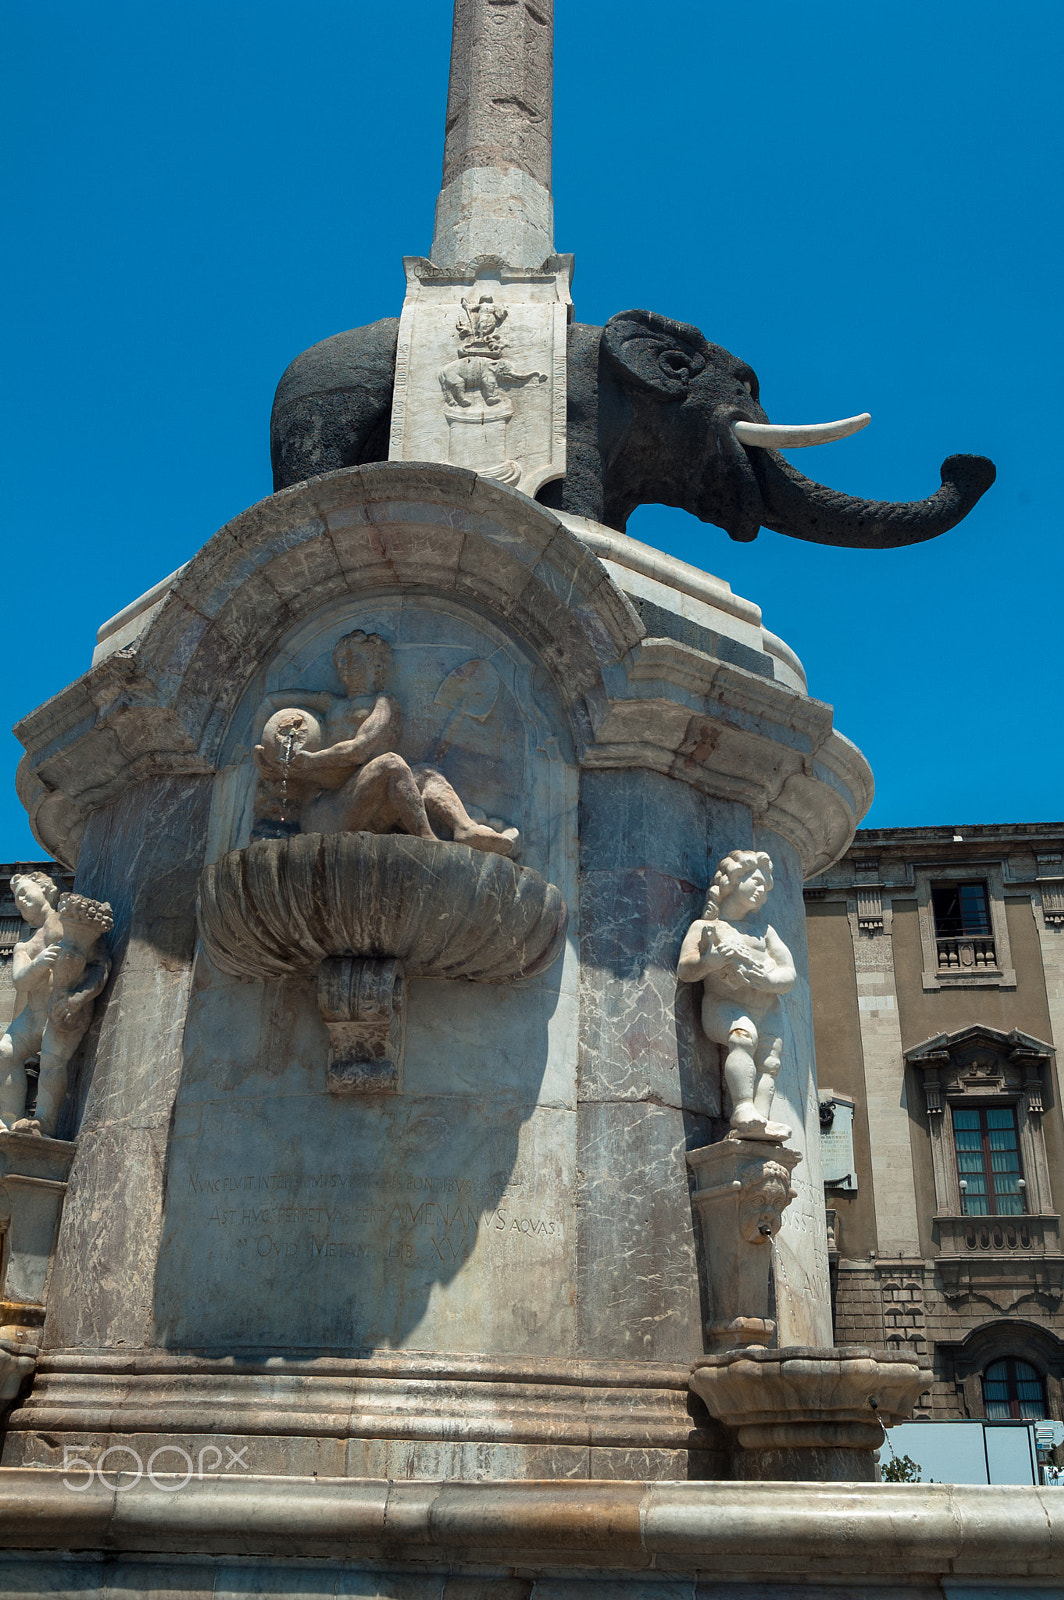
(966, 952)
(997, 1236)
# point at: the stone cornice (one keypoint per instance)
(162, 704)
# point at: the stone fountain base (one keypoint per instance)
(806, 1414)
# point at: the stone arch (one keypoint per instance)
(162, 705)
(380, 527)
(1026, 1341)
(1011, 1337)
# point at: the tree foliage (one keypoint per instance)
(903, 1469)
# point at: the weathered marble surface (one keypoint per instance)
(526, 1194)
(393, 1414)
(432, 1222)
(644, 846)
(495, 403)
(693, 1541)
(145, 851)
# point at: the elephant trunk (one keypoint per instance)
(797, 506)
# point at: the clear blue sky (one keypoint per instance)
(863, 201)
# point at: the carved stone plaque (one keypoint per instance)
(480, 369)
(836, 1144)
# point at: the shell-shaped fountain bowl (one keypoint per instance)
(281, 907)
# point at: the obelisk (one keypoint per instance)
(480, 369)
(496, 198)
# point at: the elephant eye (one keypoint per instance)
(676, 365)
(748, 378)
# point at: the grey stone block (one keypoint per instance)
(310, 571)
(490, 574)
(469, 1460)
(639, 1037)
(629, 1464)
(637, 1285)
(631, 818)
(437, 483)
(423, 554)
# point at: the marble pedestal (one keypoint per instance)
(33, 1174)
(742, 1190)
(494, 1268)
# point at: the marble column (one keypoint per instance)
(496, 197)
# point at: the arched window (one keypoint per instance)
(1013, 1389)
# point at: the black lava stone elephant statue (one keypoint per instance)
(656, 416)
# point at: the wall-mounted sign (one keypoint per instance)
(836, 1141)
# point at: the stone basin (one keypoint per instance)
(793, 1408)
(366, 911)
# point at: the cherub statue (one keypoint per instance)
(79, 973)
(58, 971)
(346, 775)
(32, 963)
(742, 976)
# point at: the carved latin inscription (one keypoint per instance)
(408, 1219)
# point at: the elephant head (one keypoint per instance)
(679, 423)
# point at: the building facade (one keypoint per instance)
(937, 972)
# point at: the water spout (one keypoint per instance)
(288, 743)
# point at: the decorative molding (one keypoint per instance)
(1050, 882)
(1002, 973)
(981, 1065)
(162, 705)
(870, 908)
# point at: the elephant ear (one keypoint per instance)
(657, 352)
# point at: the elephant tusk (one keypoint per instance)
(770, 436)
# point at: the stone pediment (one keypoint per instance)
(978, 1061)
(162, 704)
(957, 1045)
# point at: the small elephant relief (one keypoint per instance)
(743, 976)
(58, 968)
(472, 377)
(478, 372)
